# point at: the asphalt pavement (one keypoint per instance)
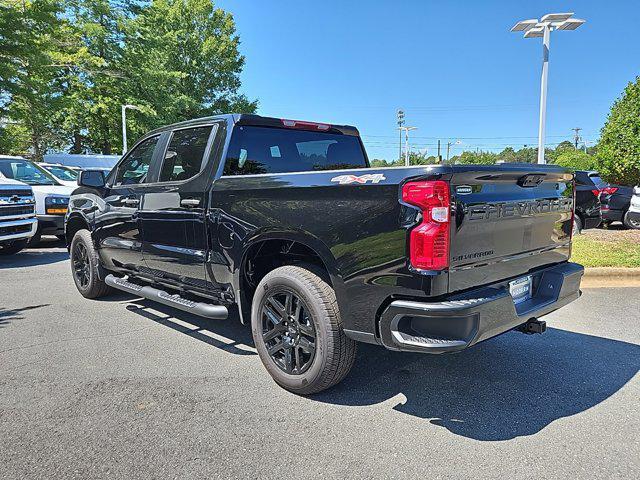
(123, 388)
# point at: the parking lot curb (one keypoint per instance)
(611, 277)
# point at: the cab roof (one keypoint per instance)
(259, 120)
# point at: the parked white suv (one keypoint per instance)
(633, 215)
(17, 216)
(52, 198)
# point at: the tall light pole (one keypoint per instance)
(406, 142)
(543, 28)
(124, 125)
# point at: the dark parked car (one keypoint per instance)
(616, 200)
(589, 185)
(286, 223)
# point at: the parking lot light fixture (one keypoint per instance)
(542, 28)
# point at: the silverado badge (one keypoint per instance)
(349, 179)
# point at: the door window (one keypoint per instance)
(133, 169)
(185, 154)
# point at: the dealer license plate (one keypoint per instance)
(520, 289)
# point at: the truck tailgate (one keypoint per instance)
(508, 221)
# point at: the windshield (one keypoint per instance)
(63, 173)
(25, 171)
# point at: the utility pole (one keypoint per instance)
(439, 157)
(576, 136)
(400, 116)
(457, 142)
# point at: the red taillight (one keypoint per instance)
(429, 241)
(305, 125)
(605, 191)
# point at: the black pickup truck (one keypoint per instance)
(285, 223)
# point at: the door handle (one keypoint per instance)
(189, 202)
(131, 201)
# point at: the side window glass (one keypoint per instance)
(133, 170)
(185, 154)
(256, 150)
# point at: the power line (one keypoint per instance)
(468, 138)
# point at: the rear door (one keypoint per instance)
(173, 210)
(509, 220)
(117, 226)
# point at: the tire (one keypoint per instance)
(577, 225)
(630, 223)
(318, 325)
(84, 266)
(13, 247)
(35, 240)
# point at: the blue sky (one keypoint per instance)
(453, 66)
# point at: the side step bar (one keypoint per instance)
(207, 310)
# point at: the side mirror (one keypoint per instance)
(91, 178)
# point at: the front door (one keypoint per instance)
(173, 209)
(117, 225)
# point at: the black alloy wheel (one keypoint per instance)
(81, 265)
(288, 332)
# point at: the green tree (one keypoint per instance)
(377, 162)
(619, 147)
(183, 61)
(97, 81)
(481, 158)
(32, 60)
(576, 160)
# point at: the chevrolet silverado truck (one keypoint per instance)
(17, 216)
(51, 195)
(285, 224)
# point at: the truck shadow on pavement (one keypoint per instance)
(511, 386)
(45, 253)
(228, 335)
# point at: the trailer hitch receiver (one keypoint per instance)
(532, 326)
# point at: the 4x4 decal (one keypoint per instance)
(369, 177)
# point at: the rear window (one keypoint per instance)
(597, 181)
(255, 150)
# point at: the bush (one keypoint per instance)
(619, 147)
(577, 160)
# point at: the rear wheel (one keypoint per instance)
(84, 266)
(298, 331)
(577, 225)
(630, 223)
(13, 247)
